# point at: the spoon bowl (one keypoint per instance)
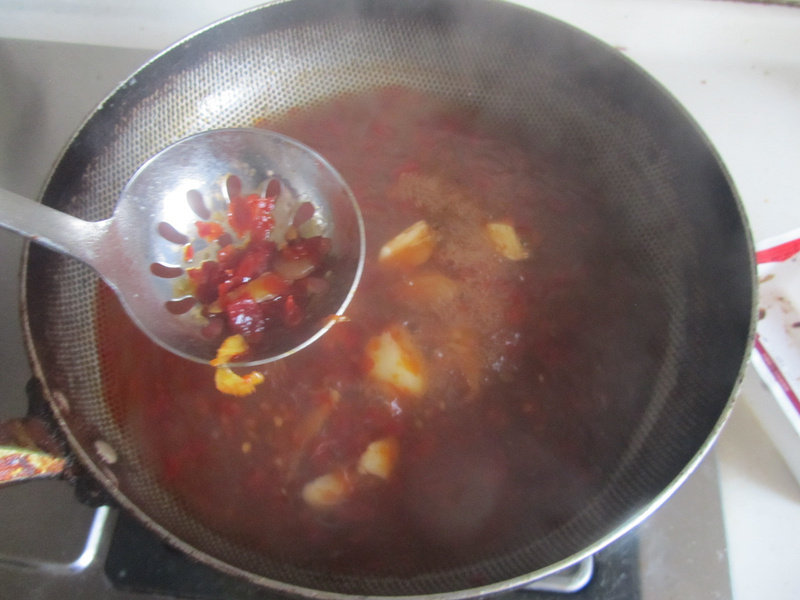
(146, 249)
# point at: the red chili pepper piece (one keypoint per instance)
(257, 259)
(261, 221)
(245, 290)
(252, 214)
(206, 278)
(226, 287)
(246, 317)
(239, 215)
(292, 313)
(228, 256)
(313, 248)
(209, 230)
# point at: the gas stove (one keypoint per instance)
(53, 546)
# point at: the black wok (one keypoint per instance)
(577, 100)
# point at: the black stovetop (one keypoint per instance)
(139, 562)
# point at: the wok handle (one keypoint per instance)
(28, 450)
(52, 228)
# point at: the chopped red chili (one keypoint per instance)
(249, 283)
(209, 230)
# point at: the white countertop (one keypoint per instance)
(736, 68)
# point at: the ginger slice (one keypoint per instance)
(225, 379)
(505, 240)
(410, 248)
(233, 384)
(231, 347)
(379, 458)
(327, 490)
(395, 359)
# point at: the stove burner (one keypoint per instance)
(138, 561)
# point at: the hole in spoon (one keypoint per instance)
(165, 271)
(169, 233)
(179, 306)
(233, 187)
(273, 189)
(197, 204)
(304, 212)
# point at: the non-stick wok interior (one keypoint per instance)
(572, 98)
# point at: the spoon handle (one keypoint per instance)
(51, 228)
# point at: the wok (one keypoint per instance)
(603, 119)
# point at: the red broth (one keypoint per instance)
(534, 370)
